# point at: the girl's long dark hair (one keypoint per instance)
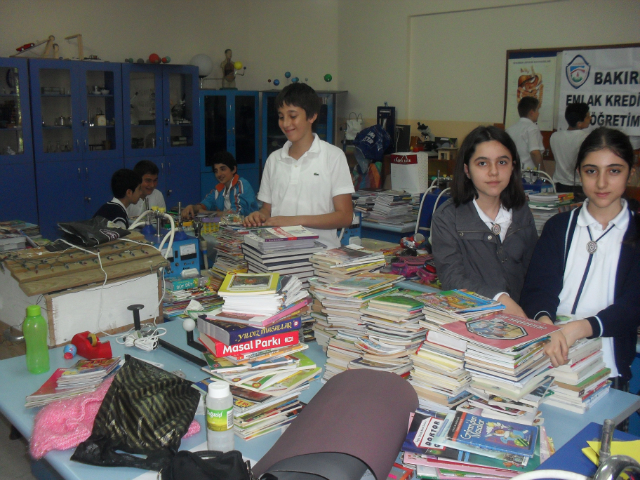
(463, 190)
(618, 143)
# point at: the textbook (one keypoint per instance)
(280, 234)
(234, 333)
(501, 332)
(219, 349)
(249, 284)
(495, 435)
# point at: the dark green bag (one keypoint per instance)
(146, 411)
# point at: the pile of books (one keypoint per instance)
(83, 377)
(454, 305)
(438, 376)
(461, 444)
(229, 257)
(262, 359)
(285, 250)
(331, 266)
(180, 292)
(545, 205)
(393, 209)
(583, 381)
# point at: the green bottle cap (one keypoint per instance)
(33, 310)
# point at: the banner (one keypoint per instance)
(608, 80)
(531, 77)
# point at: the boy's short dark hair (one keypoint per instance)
(526, 105)
(225, 158)
(146, 167)
(123, 180)
(300, 95)
(576, 112)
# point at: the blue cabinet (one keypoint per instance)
(17, 176)
(162, 124)
(77, 137)
(229, 120)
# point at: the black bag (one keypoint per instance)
(145, 411)
(207, 465)
(91, 232)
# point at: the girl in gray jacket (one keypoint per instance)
(483, 238)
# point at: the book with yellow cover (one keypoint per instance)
(249, 284)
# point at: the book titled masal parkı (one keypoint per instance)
(501, 331)
(219, 349)
(233, 333)
(282, 234)
(496, 435)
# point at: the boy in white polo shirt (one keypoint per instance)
(307, 182)
(565, 145)
(526, 134)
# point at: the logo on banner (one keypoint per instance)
(577, 71)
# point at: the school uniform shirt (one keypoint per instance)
(527, 137)
(598, 291)
(565, 145)
(115, 212)
(306, 186)
(156, 199)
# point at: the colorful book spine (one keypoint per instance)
(232, 334)
(219, 349)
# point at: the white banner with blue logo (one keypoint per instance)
(608, 80)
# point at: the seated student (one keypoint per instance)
(307, 182)
(526, 134)
(149, 173)
(587, 262)
(232, 194)
(565, 145)
(126, 186)
(483, 237)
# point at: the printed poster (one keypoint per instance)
(531, 77)
(607, 80)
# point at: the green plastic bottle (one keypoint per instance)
(35, 335)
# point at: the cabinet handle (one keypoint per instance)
(78, 146)
(169, 193)
(168, 144)
(85, 146)
(79, 174)
(83, 123)
(86, 170)
(166, 121)
(159, 141)
(162, 165)
(87, 199)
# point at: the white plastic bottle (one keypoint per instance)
(219, 417)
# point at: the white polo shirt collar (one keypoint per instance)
(621, 221)
(314, 150)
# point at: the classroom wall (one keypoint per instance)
(443, 62)
(268, 37)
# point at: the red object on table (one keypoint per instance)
(86, 350)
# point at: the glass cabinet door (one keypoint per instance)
(56, 127)
(180, 89)
(15, 117)
(101, 110)
(215, 126)
(273, 139)
(142, 105)
(245, 128)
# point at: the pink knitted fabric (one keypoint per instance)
(67, 423)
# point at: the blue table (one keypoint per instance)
(18, 383)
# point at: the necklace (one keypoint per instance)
(495, 228)
(592, 245)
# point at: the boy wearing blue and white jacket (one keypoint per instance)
(232, 194)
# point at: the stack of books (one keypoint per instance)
(83, 377)
(454, 305)
(460, 444)
(393, 209)
(583, 381)
(503, 353)
(438, 376)
(331, 266)
(285, 250)
(229, 257)
(17, 234)
(545, 205)
(180, 292)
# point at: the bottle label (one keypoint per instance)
(220, 420)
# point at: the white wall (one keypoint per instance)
(268, 37)
(439, 61)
